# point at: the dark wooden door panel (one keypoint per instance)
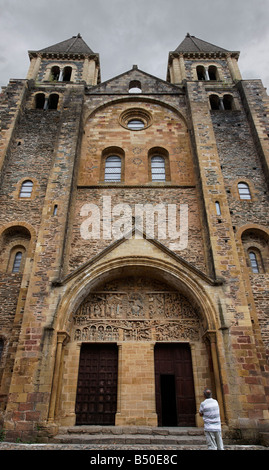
(96, 401)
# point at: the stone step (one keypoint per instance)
(131, 435)
(164, 431)
(128, 439)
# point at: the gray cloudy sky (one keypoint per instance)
(140, 32)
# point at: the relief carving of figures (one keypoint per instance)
(177, 331)
(172, 305)
(129, 310)
(136, 305)
(114, 305)
(97, 333)
(137, 331)
(156, 305)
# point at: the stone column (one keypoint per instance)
(34, 68)
(234, 69)
(212, 339)
(62, 337)
(177, 69)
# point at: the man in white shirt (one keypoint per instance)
(209, 410)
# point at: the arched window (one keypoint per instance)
(53, 101)
(157, 168)
(26, 189)
(201, 72)
(17, 262)
(55, 73)
(228, 102)
(39, 100)
(212, 72)
(244, 192)
(253, 262)
(67, 72)
(214, 102)
(135, 86)
(255, 242)
(113, 169)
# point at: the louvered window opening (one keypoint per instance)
(113, 169)
(244, 192)
(26, 189)
(136, 124)
(158, 168)
(253, 262)
(17, 262)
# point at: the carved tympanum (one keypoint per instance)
(136, 309)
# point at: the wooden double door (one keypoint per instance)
(96, 401)
(174, 386)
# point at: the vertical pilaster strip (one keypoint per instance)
(212, 339)
(61, 337)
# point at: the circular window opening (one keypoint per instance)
(135, 119)
(136, 124)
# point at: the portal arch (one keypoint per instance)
(134, 303)
(181, 280)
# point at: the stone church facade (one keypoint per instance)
(133, 243)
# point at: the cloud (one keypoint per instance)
(126, 33)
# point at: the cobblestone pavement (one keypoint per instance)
(73, 447)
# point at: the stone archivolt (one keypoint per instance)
(136, 310)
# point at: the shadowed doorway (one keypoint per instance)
(175, 399)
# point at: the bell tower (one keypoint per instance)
(195, 59)
(68, 61)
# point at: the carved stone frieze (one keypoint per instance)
(136, 309)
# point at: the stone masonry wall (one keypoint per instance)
(83, 250)
(240, 162)
(167, 132)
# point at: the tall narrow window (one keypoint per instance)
(17, 262)
(214, 102)
(53, 101)
(67, 72)
(212, 72)
(244, 192)
(218, 211)
(228, 102)
(201, 73)
(55, 73)
(113, 169)
(253, 262)
(26, 189)
(157, 168)
(40, 101)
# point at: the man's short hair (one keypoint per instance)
(207, 393)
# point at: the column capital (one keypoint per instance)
(63, 337)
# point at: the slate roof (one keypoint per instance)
(74, 45)
(193, 44)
